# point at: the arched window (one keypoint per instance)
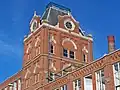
(69, 48)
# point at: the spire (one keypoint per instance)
(34, 13)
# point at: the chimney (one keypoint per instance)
(111, 43)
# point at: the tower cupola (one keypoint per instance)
(53, 11)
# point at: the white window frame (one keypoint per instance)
(14, 86)
(6, 88)
(66, 53)
(19, 84)
(116, 76)
(86, 88)
(99, 80)
(78, 83)
(70, 54)
(64, 87)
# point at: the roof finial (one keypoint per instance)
(34, 13)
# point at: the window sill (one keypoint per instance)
(68, 58)
(51, 53)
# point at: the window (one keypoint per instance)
(77, 85)
(64, 87)
(88, 83)
(19, 85)
(11, 88)
(71, 54)
(100, 80)
(51, 48)
(65, 52)
(116, 69)
(15, 86)
(68, 25)
(6, 88)
(68, 53)
(84, 58)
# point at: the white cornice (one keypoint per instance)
(60, 29)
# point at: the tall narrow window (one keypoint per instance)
(51, 48)
(65, 52)
(88, 83)
(116, 69)
(15, 86)
(71, 54)
(11, 87)
(19, 84)
(6, 88)
(100, 80)
(64, 87)
(84, 59)
(77, 85)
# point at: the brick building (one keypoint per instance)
(59, 56)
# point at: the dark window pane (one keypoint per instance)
(84, 58)
(65, 52)
(68, 25)
(51, 48)
(116, 66)
(71, 54)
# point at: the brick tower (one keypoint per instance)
(54, 46)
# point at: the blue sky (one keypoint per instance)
(98, 17)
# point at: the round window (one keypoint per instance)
(69, 25)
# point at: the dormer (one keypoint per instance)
(68, 23)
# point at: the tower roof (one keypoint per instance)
(51, 4)
(53, 11)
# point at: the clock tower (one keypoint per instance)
(55, 45)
